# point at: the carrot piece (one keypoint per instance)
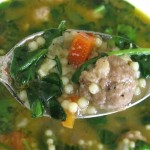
(14, 139)
(69, 122)
(81, 48)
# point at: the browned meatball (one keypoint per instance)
(115, 79)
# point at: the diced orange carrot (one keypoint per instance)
(69, 122)
(14, 139)
(81, 48)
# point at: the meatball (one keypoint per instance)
(114, 82)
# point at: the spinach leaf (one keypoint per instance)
(62, 26)
(100, 9)
(17, 4)
(53, 78)
(58, 64)
(6, 114)
(56, 111)
(52, 33)
(39, 93)
(144, 62)
(11, 38)
(145, 119)
(23, 69)
(107, 137)
(36, 105)
(48, 90)
(32, 58)
(126, 31)
(43, 94)
(77, 73)
(57, 11)
(23, 59)
(130, 52)
(17, 60)
(37, 108)
(124, 43)
(141, 145)
(24, 77)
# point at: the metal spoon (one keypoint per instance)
(6, 60)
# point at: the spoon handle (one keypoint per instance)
(4, 77)
(4, 69)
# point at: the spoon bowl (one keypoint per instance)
(5, 79)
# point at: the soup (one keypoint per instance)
(125, 130)
(75, 73)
